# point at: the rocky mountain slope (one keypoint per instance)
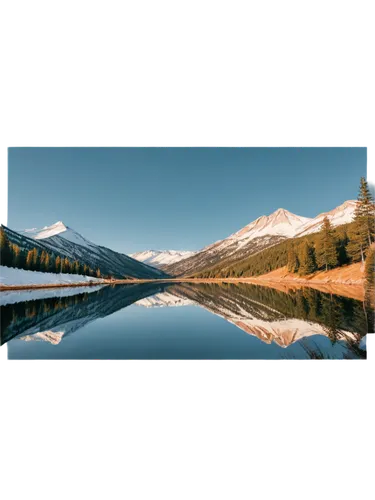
(64, 241)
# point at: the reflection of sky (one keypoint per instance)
(188, 332)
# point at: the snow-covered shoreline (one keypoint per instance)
(14, 296)
(11, 276)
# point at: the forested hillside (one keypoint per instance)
(329, 248)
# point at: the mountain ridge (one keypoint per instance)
(157, 258)
(66, 242)
(262, 233)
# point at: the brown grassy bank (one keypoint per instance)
(345, 275)
(6, 288)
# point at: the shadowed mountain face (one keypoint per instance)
(264, 314)
(223, 253)
(78, 248)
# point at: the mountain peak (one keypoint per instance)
(47, 231)
(286, 213)
(57, 225)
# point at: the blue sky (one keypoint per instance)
(132, 199)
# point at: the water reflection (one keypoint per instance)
(279, 320)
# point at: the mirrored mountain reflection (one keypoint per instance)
(284, 318)
(68, 313)
(125, 322)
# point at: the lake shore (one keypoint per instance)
(346, 281)
(7, 288)
(350, 290)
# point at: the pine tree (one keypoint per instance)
(365, 212)
(98, 273)
(307, 259)
(326, 247)
(16, 255)
(36, 264)
(362, 233)
(66, 265)
(370, 269)
(342, 244)
(293, 262)
(354, 248)
(52, 263)
(5, 250)
(47, 262)
(319, 252)
(29, 259)
(43, 260)
(58, 264)
(23, 256)
(330, 313)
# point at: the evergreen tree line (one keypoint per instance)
(20, 316)
(327, 249)
(11, 255)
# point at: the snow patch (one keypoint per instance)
(15, 296)
(57, 229)
(13, 276)
(164, 299)
(342, 214)
(53, 338)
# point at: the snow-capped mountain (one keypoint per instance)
(281, 223)
(59, 228)
(164, 299)
(53, 338)
(66, 242)
(159, 258)
(260, 234)
(342, 214)
(265, 231)
(76, 311)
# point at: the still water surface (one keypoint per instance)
(182, 321)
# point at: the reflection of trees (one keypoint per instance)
(331, 317)
(37, 314)
(333, 312)
(302, 306)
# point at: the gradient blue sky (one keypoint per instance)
(132, 199)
